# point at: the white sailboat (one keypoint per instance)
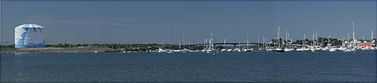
(287, 49)
(303, 45)
(313, 47)
(279, 49)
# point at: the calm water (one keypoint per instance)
(190, 67)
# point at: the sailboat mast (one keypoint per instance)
(211, 42)
(278, 38)
(353, 30)
(224, 41)
(257, 39)
(348, 36)
(329, 41)
(316, 36)
(247, 42)
(263, 42)
(179, 44)
(205, 44)
(304, 40)
(239, 43)
(286, 37)
(313, 41)
(371, 36)
(289, 38)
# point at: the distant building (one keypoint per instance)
(29, 36)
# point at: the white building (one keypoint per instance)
(29, 36)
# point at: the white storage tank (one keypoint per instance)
(29, 36)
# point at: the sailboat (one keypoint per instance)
(352, 46)
(247, 49)
(286, 49)
(303, 44)
(279, 49)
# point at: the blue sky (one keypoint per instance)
(191, 21)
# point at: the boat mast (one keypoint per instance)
(263, 42)
(353, 32)
(258, 39)
(286, 37)
(183, 40)
(239, 43)
(205, 44)
(348, 36)
(210, 42)
(291, 39)
(371, 36)
(303, 44)
(224, 41)
(163, 44)
(313, 40)
(316, 36)
(247, 43)
(179, 44)
(278, 36)
(329, 38)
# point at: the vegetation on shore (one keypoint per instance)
(144, 47)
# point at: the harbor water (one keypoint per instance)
(357, 66)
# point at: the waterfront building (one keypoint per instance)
(29, 36)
